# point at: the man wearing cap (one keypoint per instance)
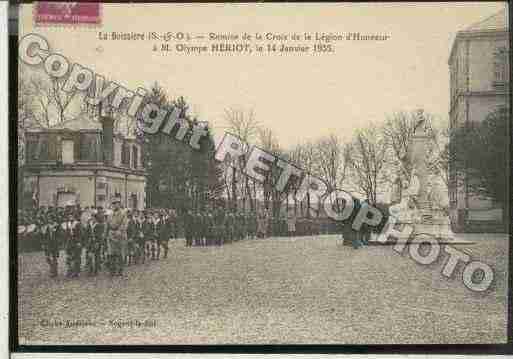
(131, 236)
(164, 234)
(188, 220)
(73, 246)
(50, 239)
(147, 228)
(140, 238)
(117, 224)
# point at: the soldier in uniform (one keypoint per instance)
(140, 238)
(230, 227)
(147, 234)
(243, 225)
(253, 224)
(216, 227)
(101, 219)
(291, 225)
(155, 231)
(196, 228)
(188, 223)
(117, 226)
(50, 238)
(131, 240)
(73, 246)
(208, 228)
(203, 227)
(174, 223)
(235, 226)
(95, 242)
(163, 235)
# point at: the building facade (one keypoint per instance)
(82, 161)
(479, 85)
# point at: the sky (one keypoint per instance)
(300, 97)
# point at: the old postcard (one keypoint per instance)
(278, 173)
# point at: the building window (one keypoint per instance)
(31, 150)
(500, 66)
(125, 155)
(43, 147)
(135, 156)
(90, 147)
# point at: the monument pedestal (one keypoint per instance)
(438, 229)
(421, 203)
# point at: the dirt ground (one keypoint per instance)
(308, 290)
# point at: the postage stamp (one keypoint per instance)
(67, 13)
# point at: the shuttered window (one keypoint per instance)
(125, 155)
(135, 156)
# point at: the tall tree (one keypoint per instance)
(367, 161)
(178, 175)
(304, 156)
(478, 155)
(398, 131)
(331, 160)
(243, 124)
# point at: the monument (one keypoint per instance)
(421, 200)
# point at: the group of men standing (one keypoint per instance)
(218, 226)
(93, 239)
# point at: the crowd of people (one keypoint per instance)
(217, 227)
(96, 239)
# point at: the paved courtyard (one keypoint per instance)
(308, 290)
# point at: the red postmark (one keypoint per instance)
(67, 13)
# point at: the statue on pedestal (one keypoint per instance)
(406, 210)
(420, 201)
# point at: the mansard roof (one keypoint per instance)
(497, 21)
(82, 122)
(492, 25)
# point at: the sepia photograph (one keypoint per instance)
(261, 173)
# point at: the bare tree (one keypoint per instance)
(243, 124)
(330, 162)
(268, 141)
(297, 156)
(398, 130)
(439, 159)
(367, 161)
(42, 99)
(60, 98)
(304, 156)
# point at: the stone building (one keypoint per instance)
(479, 85)
(82, 161)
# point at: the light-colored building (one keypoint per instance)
(479, 85)
(82, 161)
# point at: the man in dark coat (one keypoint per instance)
(50, 232)
(147, 234)
(73, 246)
(188, 223)
(163, 236)
(95, 242)
(140, 238)
(131, 238)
